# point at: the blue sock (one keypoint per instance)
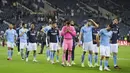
(51, 55)
(48, 53)
(9, 53)
(106, 63)
(101, 62)
(91, 57)
(115, 59)
(96, 58)
(57, 57)
(83, 56)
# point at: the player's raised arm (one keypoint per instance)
(95, 24)
(98, 40)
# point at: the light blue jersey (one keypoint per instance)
(11, 35)
(23, 38)
(87, 33)
(47, 28)
(105, 37)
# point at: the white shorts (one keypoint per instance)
(10, 45)
(54, 46)
(32, 46)
(88, 46)
(114, 48)
(23, 45)
(95, 48)
(105, 51)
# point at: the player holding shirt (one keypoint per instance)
(11, 37)
(52, 34)
(114, 44)
(32, 42)
(105, 36)
(23, 39)
(86, 33)
(95, 47)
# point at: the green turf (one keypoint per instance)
(19, 66)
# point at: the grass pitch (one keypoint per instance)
(19, 66)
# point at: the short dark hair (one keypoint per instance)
(53, 22)
(23, 24)
(110, 25)
(116, 18)
(68, 22)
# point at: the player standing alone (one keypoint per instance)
(11, 37)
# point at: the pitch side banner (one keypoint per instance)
(123, 43)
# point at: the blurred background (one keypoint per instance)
(41, 12)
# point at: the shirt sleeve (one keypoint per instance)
(46, 29)
(58, 36)
(100, 32)
(73, 31)
(28, 34)
(118, 33)
(16, 33)
(48, 33)
(92, 27)
(58, 32)
(20, 31)
(111, 34)
(62, 31)
(81, 31)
